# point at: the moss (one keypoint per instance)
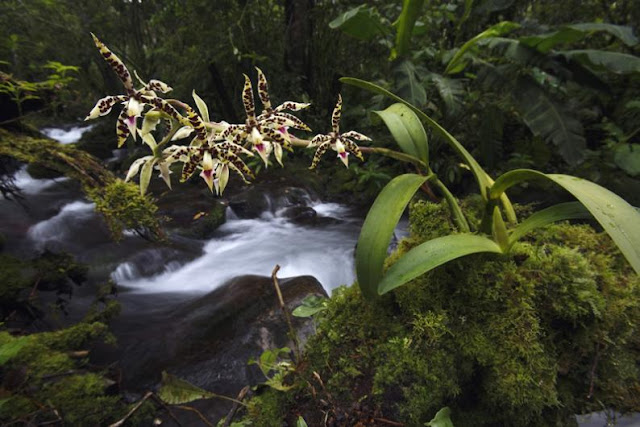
(514, 340)
(268, 409)
(39, 171)
(206, 225)
(14, 277)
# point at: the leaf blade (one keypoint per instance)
(407, 130)
(559, 212)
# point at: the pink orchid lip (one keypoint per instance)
(259, 147)
(283, 129)
(344, 154)
(206, 173)
(131, 120)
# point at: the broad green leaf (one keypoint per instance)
(361, 22)
(442, 418)
(483, 179)
(301, 422)
(549, 120)
(560, 212)
(627, 157)
(499, 29)
(378, 227)
(311, 304)
(618, 218)
(615, 62)
(450, 90)
(202, 107)
(432, 254)
(576, 32)
(176, 391)
(145, 175)
(408, 83)
(404, 27)
(407, 130)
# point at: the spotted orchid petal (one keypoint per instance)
(159, 86)
(247, 99)
(263, 91)
(122, 129)
(104, 105)
(196, 123)
(356, 135)
(352, 148)
(181, 133)
(318, 139)
(116, 64)
(135, 167)
(322, 148)
(335, 116)
(291, 106)
(340, 148)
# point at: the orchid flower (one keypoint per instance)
(268, 132)
(135, 99)
(340, 143)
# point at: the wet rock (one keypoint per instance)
(208, 340)
(300, 214)
(250, 204)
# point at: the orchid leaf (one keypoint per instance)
(618, 218)
(407, 130)
(431, 254)
(560, 212)
(378, 227)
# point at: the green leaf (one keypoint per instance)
(378, 227)
(311, 304)
(408, 83)
(442, 418)
(432, 254)
(450, 90)
(301, 422)
(560, 212)
(619, 63)
(176, 391)
(361, 22)
(202, 107)
(627, 157)
(407, 130)
(483, 179)
(499, 29)
(576, 32)
(618, 218)
(549, 120)
(410, 12)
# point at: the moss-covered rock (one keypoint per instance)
(39, 171)
(525, 339)
(207, 223)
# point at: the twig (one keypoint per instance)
(386, 421)
(189, 408)
(132, 411)
(292, 332)
(166, 408)
(592, 376)
(234, 409)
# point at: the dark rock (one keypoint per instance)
(208, 340)
(249, 204)
(300, 214)
(204, 226)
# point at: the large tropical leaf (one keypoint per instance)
(408, 83)
(378, 227)
(615, 62)
(442, 419)
(407, 130)
(362, 22)
(483, 179)
(405, 25)
(576, 32)
(618, 218)
(457, 64)
(549, 120)
(432, 254)
(627, 158)
(451, 92)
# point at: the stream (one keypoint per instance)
(55, 215)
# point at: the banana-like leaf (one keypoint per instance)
(378, 227)
(559, 212)
(576, 32)
(361, 22)
(549, 120)
(407, 130)
(450, 90)
(408, 83)
(176, 391)
(483, 179)
(615, 62)
(410, 11)
(627, 158)
(456, 64)
(431, 254)
(618, 218)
